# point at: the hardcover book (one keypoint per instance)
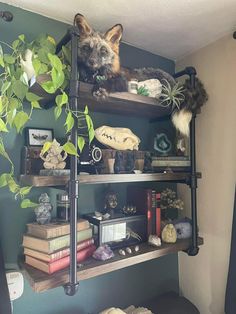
(62, 263)
(51, 245)
(54, 230)
(58, 254)
(145, 202)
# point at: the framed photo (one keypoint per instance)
(38, 136)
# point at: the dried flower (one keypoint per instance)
(169, 200)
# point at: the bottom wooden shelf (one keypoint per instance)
(41, 281)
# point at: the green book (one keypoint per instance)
(51, 245)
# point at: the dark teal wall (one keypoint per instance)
(123, 287)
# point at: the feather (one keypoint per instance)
(181, 120)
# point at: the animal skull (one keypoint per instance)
(117, 138)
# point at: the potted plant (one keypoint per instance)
(23, 66)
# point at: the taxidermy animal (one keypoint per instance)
(99, 64)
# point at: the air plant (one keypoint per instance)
(172, 95)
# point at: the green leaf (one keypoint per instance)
(91, 135)
(5, 87)
(1, 62)
(22, 37)
(61, 99)
(19, 89)
(70, 148)
(86, 110)
(4, 179)
(55, 62)
(1, 51)
(81, 143)
(89, 122)
(24, 79)
(69, 122)
(1, 105)
(48, 87)
(25, 190)
(12, 185)
(3, 127)
(14, 103)
(35, 104)
(43, 55)
(46, 147)
(57, 112)
(15, 44)
(26, 203)
(9, 58)
(32, 97)
(57, 78)
(20, 120)
(10, 116)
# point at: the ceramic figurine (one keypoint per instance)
(130, 162)
(119, 164)
(53, 158)
(43, 211)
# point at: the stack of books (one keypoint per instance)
(46, 247)
(175, 163)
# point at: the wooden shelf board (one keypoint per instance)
(41, 281)
(123, 103)
(39, 181)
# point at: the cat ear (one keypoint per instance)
(114, 34)
(82, 24)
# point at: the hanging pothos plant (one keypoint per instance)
(21, 63)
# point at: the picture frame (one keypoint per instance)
(38, 136)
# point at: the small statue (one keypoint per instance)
(119, 164)
(147, 167)
(54, 158)
(130, 163)
(169, 234)
(111, 203)
(43, 211)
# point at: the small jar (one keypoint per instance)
(133, 86)
(63, 207)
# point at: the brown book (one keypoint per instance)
(62, 263)
(55, 244)
(54, 230)
(58, 254)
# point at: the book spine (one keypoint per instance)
(54, 231)
(153, 209)
(149, 212)
(65, 261)
(60, 254)
(62, 242)
(158, 214)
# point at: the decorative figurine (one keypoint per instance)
(147, 167)
(130, 163)
(43, 211)
(119, 164)
(111, 203)
(53, 158)
(169, 234)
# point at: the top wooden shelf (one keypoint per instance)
(122, 103)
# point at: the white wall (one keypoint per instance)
(203, 278)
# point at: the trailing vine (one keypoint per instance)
(21, 65)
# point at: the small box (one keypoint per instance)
(120, 231)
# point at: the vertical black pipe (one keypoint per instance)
(193, 250)
(72, 287)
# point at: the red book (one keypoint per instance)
(158, 214)
(62, 263)
(58, 254)
(144, 200)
